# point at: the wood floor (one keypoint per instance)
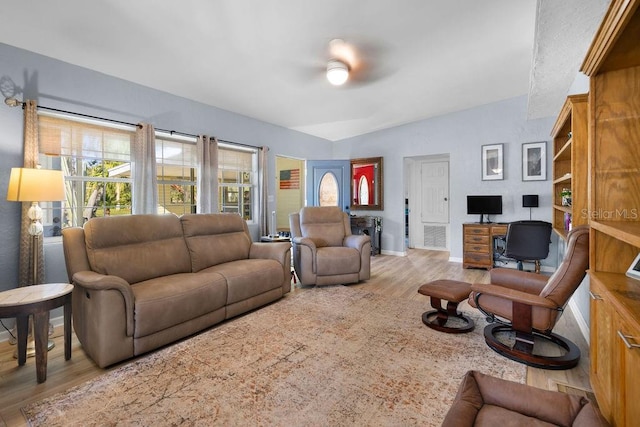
(398, 277)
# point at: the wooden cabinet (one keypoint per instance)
(615, 347)
(570, 166)
(478, 243)
(613, 65)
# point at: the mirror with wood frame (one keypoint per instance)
(367, 184)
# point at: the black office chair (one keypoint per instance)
(528, 241)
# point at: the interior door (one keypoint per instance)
(328, 183)
(429, 206)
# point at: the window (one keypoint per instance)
(96, 164)
(176, 164)
(237, 180)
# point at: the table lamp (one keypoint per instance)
(35, 185)
(530, 201)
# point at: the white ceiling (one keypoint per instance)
(266, 59)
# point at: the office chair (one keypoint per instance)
(528, 241)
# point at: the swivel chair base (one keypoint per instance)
(522, 350)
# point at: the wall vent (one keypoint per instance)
(435, 236)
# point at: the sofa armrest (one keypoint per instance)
(101, 282)
(263, 250)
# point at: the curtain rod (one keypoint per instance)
(171, 132)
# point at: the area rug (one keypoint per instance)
(325, 356)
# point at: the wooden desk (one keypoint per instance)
(37, 300)
(478, 243)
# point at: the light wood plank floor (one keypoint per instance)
(398, 277)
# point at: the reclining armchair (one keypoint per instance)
(483, 400)
(324, 250)
(530, 304)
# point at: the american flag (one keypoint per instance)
(290, 179)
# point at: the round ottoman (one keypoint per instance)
(454, 292)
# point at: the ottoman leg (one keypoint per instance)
(438, 318)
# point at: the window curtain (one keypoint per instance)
(263, 213)
(207, 183)
(26, 268)
(144, 197)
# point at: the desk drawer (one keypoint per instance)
(477, 259)
(476, 230)
(476, 239)
(476, 247)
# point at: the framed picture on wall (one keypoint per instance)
(492, 162)
(534, 161)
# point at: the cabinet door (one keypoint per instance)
(602, 349)
(628, 344)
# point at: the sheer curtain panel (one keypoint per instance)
(207, 192)
(143, 168)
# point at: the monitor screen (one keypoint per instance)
(484, 205)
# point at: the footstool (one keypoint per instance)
(454, 292)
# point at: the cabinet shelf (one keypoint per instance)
(570, 145)
(625, 231)
(566, 179)
(564, 153)
(567, 209)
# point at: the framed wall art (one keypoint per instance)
(492, 162)
(534, 161)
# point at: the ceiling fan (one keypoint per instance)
(348, 64)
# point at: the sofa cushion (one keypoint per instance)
(250, 277)
(323, 225)
(137, 247)
(166, 301)
(214, 239)
(337, 260)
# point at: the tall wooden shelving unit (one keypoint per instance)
(613, 65)
(570, 148)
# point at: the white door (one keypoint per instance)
(429, 206)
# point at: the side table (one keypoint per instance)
(37, 300)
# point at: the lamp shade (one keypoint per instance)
(35, 185)
(530, 201)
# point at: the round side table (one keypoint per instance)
(37, 300)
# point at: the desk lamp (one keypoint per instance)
(35, 185)
(530, 201)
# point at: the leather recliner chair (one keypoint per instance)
(324, 250)
(483, 400)
(530, 305)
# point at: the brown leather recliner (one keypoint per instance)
(483, 400)
(324, 250)
(531, 304)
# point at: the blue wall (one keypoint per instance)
(61, 85)
(459, 135)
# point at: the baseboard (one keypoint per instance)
(582, 324)
(55, 321)
(394, 253)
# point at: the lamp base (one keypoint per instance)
(31, 342)
(31, 348)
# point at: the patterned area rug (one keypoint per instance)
(326, 356)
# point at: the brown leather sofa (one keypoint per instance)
(483, 400)
(324, 250)
(143, 281)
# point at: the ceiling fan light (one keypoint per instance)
(337, 72)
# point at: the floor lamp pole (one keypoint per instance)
(35, 230)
